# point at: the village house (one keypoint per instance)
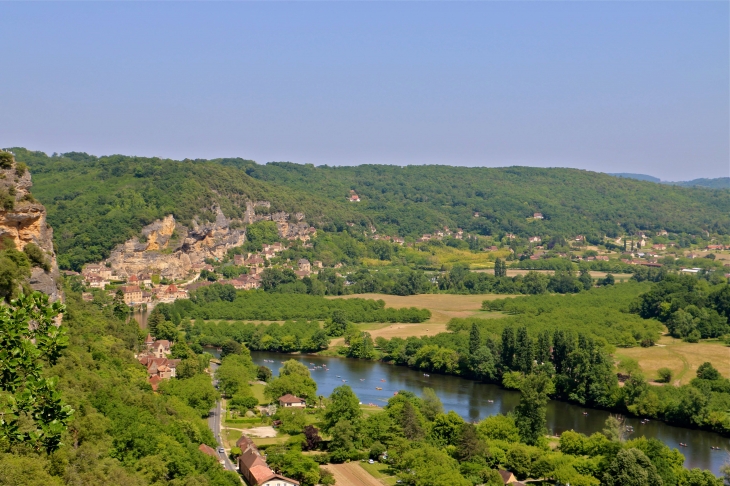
(354, 198)
(106, 273)
(537, 216)
(239, 260)
(662, 233)
(252, 466)
(507, 477)
(476, 214)
(459, 234)
(145, 279)
(659, 246)
(602, 258)
(95, 281)
(304, 265)
(92, 269)
(132, 294)
(209, 451)
(535, 239)
(580, 238)
(398, 241)
(289, 401)
(510, 236)
(318, 264)
(715, 247)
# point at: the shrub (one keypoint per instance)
(665, 375)
(6, 160)
(20, 169)
(36, 256)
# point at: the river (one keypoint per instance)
(475, 401)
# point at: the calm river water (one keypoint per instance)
(474, 401)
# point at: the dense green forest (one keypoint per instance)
(98, 421)
(416, 199)
(95, 203)
(223, 302)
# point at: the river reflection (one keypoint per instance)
(475, 401)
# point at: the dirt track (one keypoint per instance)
(351, 474)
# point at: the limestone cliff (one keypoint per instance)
(172, 250)
(23, 220)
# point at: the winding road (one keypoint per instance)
(214, 422)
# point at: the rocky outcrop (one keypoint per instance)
(172, 250)
(23, 220)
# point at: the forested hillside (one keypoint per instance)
(415, 199)
(95, 203)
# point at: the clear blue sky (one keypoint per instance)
(607, 86)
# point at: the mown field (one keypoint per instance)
(443, 307)
(680, 357)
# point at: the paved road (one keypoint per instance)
(214, 422)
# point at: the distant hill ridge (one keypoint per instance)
(95, 203)
(718, 183)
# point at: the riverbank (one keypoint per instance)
(475, 401)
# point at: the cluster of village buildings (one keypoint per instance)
(155, 358)
(140, 289)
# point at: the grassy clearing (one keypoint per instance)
(443, 308)
(258, 392)
(680, 357)
(231, 436)
(270, 440)
(377, 470)
(438, 256)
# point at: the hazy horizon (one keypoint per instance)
(635, 87)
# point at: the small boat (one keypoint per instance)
(585, 413)
(490, 401)
(338, 376)
(344, 381)
(382, 380)
(378, 388)
(683, 444)
(426, 375)
(362, 379)
(715, 448)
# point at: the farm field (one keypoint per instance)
(443, 308)
(353, 474)
(680, 357)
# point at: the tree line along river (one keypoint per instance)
(475, 401)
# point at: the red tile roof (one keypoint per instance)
(289, 398)
(206, 449)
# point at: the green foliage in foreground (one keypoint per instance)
(32, 413)
(121, 432)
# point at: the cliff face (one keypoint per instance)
(174, 251)
(23, 220)
(171, 250)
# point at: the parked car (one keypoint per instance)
(221, 450)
